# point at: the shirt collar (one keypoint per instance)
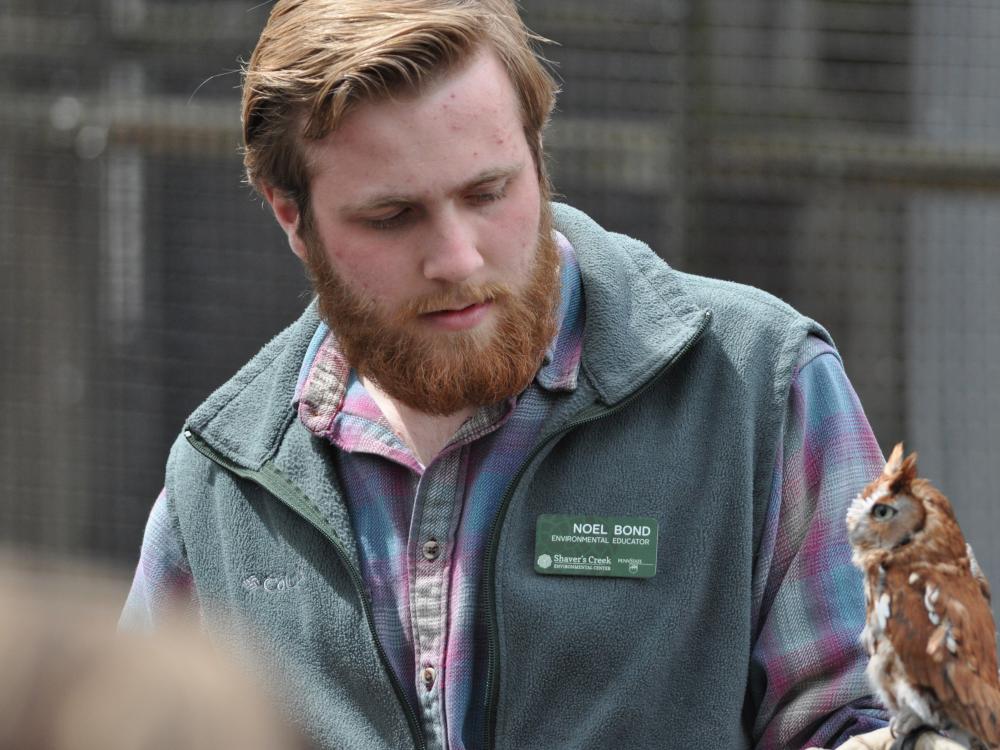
(325, 374)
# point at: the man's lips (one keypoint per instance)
(460, 319)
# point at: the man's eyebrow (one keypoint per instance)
(492, 175)
(396, 199)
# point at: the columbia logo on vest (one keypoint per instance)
(274, 583)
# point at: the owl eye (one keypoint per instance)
(883, 512)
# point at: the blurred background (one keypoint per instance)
(842, 154)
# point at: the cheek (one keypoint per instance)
(363, 265)
(370, 276)
(518, 231)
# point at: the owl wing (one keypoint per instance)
(946, 639)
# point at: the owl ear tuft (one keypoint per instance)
(900, 472)
(895, 462)
(909, 467)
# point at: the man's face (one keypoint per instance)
(431, 243)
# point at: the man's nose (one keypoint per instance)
(451, 254)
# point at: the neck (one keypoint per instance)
(425, 434)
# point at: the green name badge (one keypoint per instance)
(596, 546)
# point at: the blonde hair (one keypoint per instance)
(317, 59)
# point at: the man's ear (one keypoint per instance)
(286, 211)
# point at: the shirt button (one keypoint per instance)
(432, 549)
(428, 676)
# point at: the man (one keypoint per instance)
(362, 502)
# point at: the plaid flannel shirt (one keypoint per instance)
(422, 531)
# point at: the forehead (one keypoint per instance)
(462, 123)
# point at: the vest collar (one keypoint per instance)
(639, 317)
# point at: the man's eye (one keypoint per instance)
(389, 222)
(490, 196)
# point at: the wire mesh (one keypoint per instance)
(841, 154)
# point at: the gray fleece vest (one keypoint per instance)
(683, 386)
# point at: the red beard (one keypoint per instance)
(441, 373)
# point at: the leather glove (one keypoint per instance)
(882, 739)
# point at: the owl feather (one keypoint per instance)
(929, 630)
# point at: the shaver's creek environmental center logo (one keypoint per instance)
(604, 546)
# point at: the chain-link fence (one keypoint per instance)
(842, 154)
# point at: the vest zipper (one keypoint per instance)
(270, 478)
(586, 417)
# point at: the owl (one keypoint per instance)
(929, 631)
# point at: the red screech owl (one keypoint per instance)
(929, 631)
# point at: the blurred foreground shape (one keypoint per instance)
(70, 682)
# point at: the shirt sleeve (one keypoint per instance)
(163, 585)
(807, 680)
